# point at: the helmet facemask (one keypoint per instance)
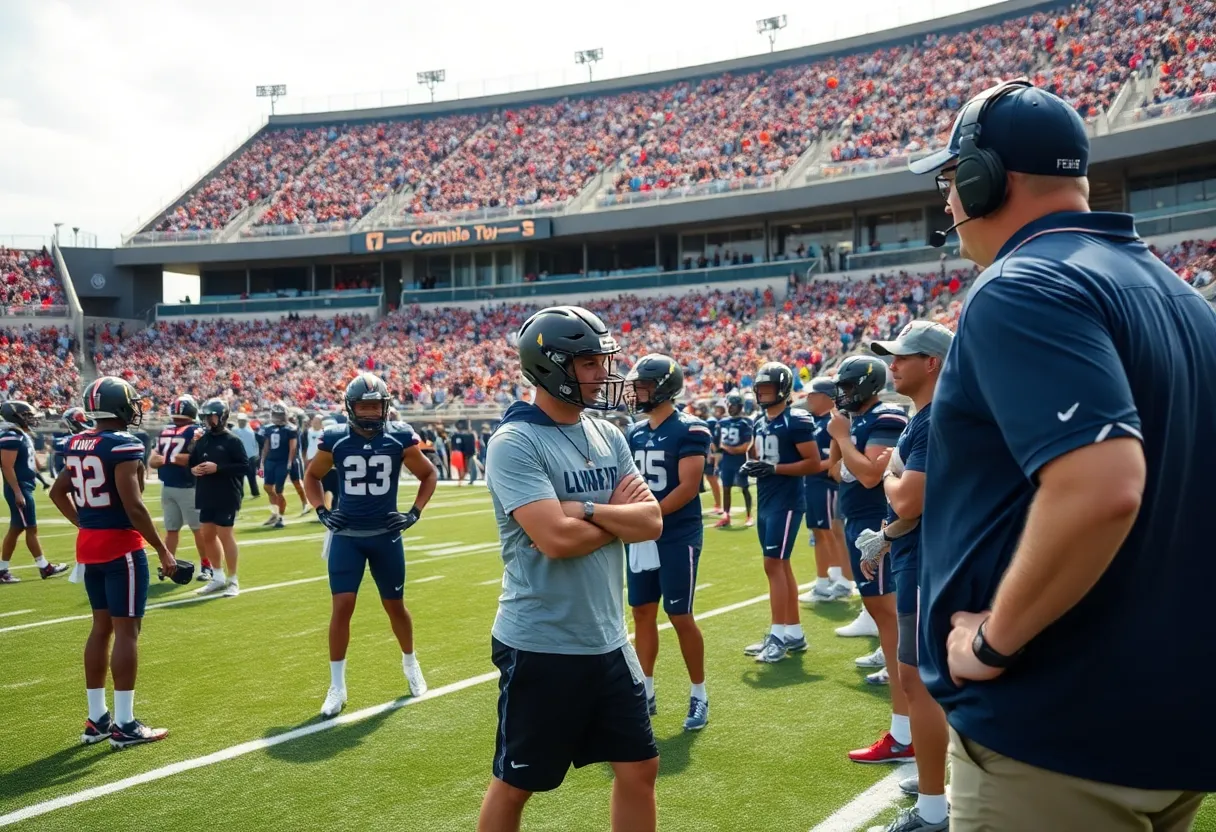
(602, 394)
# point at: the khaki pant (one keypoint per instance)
(993, 793)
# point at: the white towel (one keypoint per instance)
(643, 557)
(77, 574)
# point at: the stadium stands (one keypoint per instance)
(710, 133)
(38, 366)
(28, 279)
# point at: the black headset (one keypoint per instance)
(979, 177)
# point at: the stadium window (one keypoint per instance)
(484, 268)
(463, 275)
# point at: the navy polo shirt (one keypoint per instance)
(1077, 334)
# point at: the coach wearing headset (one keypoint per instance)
(1067, 509)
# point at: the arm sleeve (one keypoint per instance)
(885, 435)
(1039, 358)
(514, 472)
(696, 441)
(10, 442)
(404, 434)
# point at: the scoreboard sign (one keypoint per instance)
(451, 236)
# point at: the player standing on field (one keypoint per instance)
(786, 452)
(669, 448)
(734, 441)
(218, 461)
(100, 491)
(567, 498)
(365, 531)
(821, 491)
(279, 449)
(19, 464)
(170, 459)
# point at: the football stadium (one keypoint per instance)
(739, 258)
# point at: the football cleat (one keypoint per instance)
(213, 585)
(875, 659)
(270, 520)
(278, 523)
(909, 820)
(797, 645)
(774, 650)
(7, 577)
(304, 511)
(203, 575)
(882, 677)
(134, 733)
(842, 589)
(756, 648)
(861, 626)
(748, 522)
(52, 569)
(97, 730)
(698, 714)
(818, 596)
(335, 701)
(233, 588)
(413, 675)
(886, 750)
(910, 785)
(723, 523)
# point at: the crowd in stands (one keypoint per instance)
(723, 129)
(29, 278)
(38, 366)
(1194, 260)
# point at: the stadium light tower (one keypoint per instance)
(771, 26)
(432, 78)
(57, 232)
(589, 57)
(272, 91)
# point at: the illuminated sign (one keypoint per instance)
(448, 236)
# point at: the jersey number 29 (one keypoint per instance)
(368, 476)
(88, 478)
(650, 463)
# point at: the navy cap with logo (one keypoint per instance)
(1030, 129)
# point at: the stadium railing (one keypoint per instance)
(1168, 109)
(342, 300)
(1189, 217)
(860, 167)
(35, 311)
(623, 283)
(717, 187)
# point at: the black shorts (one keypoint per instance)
(222, 516)
(556, 710)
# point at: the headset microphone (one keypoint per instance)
(938, 238)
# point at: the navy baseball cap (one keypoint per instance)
(1031, 130)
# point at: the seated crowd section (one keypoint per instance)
(29, 279)
(729, 130)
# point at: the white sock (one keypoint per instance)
(777, 630)
(823, 583)
(698, 692)
(835, 574)
(793, 632)
(408, 660)
(124, 706)
(217, 574)
(41, 561)
(648, 681)
(337, 674)
(97, 703)
(3, 566)
(932, 807)
(274, 511)
(901, 729)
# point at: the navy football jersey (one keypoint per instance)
(278, 439)
(59, 443)
(173, 440)
(13, 438)
(368, 469)
(913, 453)
(658, 453)
(734, 431)
(823, 440)
(91, 458)
(777, 441)
(712, 424)
(881, 425)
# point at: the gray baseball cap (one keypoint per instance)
(917, 338)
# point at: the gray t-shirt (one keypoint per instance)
(572, 606)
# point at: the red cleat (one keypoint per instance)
(723, 523)
(886, 750)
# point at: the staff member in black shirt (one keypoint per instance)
(219, 460)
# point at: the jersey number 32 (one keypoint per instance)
(88, 478)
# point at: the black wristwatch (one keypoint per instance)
(984, 652)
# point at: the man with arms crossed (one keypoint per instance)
(1067, 520)
(567, 498)
(916, 361)
(669, 448)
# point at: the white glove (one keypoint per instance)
(872, 545)
(896, 464)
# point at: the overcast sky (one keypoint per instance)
(108, 108)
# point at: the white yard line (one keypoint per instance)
(193, 599)
(867, 805)
(700, 587)
(497, 581)
(14, 612)
(428, 579)
(224, 754)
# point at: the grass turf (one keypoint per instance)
(222, 672)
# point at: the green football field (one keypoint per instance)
(239, 683)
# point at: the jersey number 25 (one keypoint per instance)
(650, 463)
